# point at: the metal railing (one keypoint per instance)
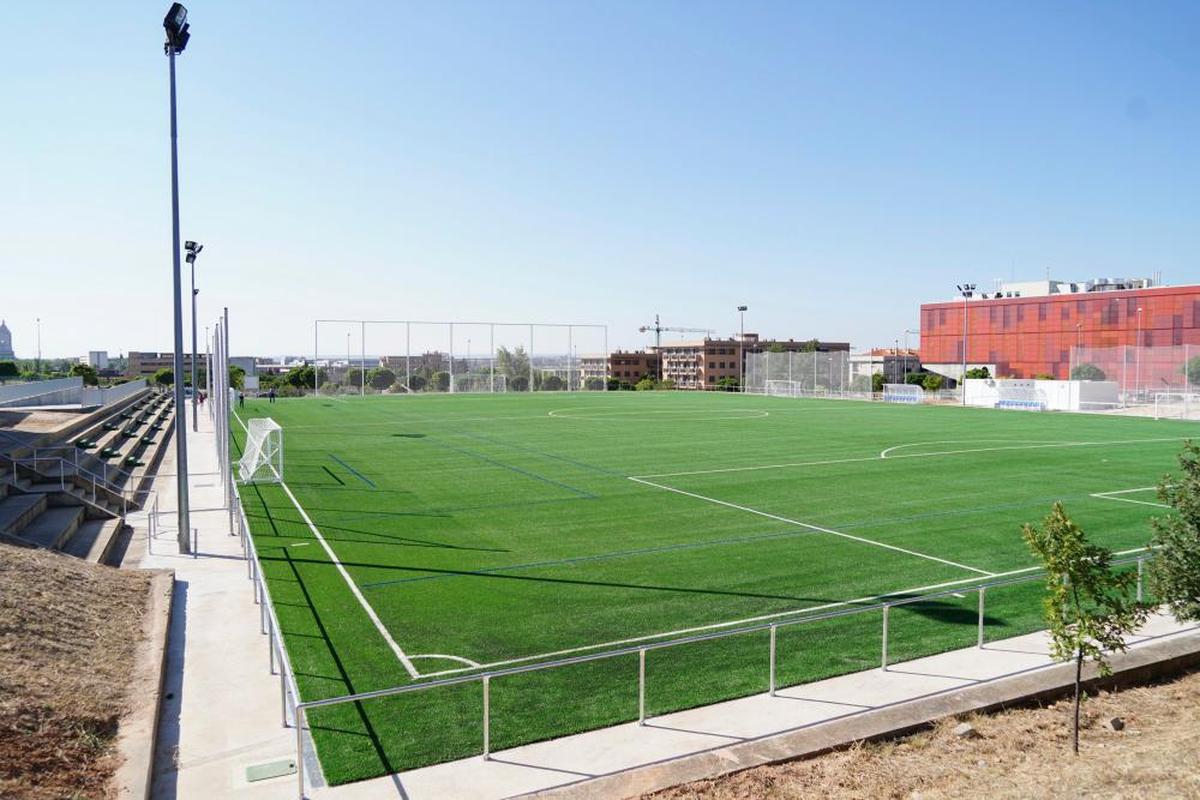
(485, 677)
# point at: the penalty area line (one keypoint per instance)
(811, 527)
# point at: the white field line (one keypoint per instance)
(387, 637)
(738, 622)
(641, 416)
(1109, 496)
(809, 526)
(902, 455)
(470, 664)
(884, 453)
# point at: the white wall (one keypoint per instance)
(1057, 395)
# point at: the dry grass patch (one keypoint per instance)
(69, 632)
(1021, 753)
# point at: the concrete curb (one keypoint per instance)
(1147, 661)
(138, 730)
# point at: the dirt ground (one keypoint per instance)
(69, 632)
(1020, 753)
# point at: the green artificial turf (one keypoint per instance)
(506, 529)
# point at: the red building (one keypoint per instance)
(1027, 333)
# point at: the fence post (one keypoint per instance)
(300, 750)
(771, 689)
(487, 718)
(271, 645)
(283, 689)
(982, 591)
(884, 659)
(642, 686)
(1139, 580)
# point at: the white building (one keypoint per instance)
(6, 351)
(95, 358)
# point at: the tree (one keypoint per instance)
(727, 384)
(933, 382)
(1192, 369)
(810, 346)
(1087, 372)
(978, 372)
(87, 372)
(416, 383)
(381, 378)
(915, 378)
(237, 377)
(595, 384)
(646, 384)
(513, 364)
(8, 370)
(877, 382)
(164, 377)
(441, 381)
(775, 347)
(1175, 572)
(301, 377)
(1086, 606)
(613, 384)
(1044, 376)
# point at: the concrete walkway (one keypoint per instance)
(222, 714)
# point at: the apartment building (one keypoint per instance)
(631, 367)
(704, 364)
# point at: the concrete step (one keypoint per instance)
(94, 540)
(76, 494)
(53, 526)
(19, 510)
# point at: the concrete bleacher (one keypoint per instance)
(57, 494)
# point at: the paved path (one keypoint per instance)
(223, 711)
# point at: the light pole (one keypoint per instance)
(1137, 370)
(176, 26)
(349, 363)
(907, 331)
(208, 369)
(742, 346)
(193, 250)
(39, 356)
(966, 289)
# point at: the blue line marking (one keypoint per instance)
(518, 470)
(354, 472)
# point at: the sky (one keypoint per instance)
(830, 165)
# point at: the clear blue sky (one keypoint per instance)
(829, 164)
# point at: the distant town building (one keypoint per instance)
(631, 367)
(145, 364)
(1030, 328)
(592, 366)
(893, 363)
(6, 349)
(95, 358)
(704, 364)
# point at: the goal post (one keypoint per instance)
(903, 393)
(262, 460)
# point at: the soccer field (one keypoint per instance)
(479, 532)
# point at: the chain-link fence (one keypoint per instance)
(360, 357)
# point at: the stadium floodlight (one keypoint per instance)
(193, 250)
(967, 290)
(176, 26)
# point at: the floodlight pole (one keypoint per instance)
(967, 289)
(742, 347)
(1137, 370)
(181, 467)
(195, 413)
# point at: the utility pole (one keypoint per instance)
(967, 289)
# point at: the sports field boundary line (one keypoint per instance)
(810, 526)
(745, 621)
(860, 459)
(405, 661)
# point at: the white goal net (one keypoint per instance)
(476, 382)
(903, 393)
(785, 389)
(262, 460)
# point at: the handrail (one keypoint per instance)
(485, 676)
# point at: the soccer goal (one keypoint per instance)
(776, 388)
(903, 393)
(262, 460)
(478, 382)
(1175, 405)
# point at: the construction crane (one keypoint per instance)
(658, 329)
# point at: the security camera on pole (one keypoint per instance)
(175, 24)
